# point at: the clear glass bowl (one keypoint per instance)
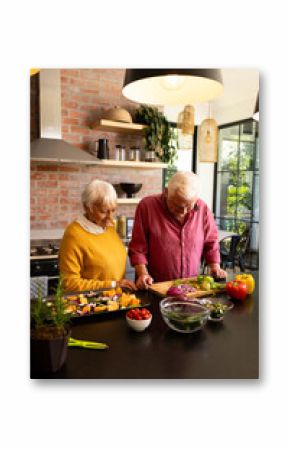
(183, 315)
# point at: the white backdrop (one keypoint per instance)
(220, 414)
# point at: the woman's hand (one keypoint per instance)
(143, 281)
(127, 283)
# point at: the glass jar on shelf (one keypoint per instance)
(134, 154)
(120, 153)
(150, 156)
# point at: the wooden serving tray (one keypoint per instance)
(160, 289)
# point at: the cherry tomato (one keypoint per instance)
(139, 314)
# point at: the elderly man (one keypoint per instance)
(171, 233)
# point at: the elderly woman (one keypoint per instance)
(92, 256)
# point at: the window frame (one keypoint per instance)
(254, 169)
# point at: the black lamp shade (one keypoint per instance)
(172, 86)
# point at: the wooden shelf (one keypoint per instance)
(102, 162)
(118, 127)
(128, 200)
(136, 164)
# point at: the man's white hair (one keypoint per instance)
(186, 184)
(98, 192)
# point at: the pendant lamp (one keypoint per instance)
(186, 120)
(207, 140)
(172, 86)
(34, 71)
(256, 111)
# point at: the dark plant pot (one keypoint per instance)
(48, 355)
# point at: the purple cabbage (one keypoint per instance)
(181, 289)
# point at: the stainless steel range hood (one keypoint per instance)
(50, 147)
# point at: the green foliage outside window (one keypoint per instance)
(239, 190)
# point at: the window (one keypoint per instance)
(237, 180)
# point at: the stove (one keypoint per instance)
(44, 266)
(46, 249)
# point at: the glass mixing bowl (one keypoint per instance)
(183, 315)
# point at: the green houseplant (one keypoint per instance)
(158, 135)
(50, 332)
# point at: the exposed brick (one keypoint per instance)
(70, 121)
(51, 200)
(49, 184)
(36, 176)
(74, 113)
(86, 94)
(78, 129)
(47, 167)
(38, 193)
(40, 225)
(68, 168)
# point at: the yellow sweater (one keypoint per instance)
(88, 261)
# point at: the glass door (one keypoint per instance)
(237, 180)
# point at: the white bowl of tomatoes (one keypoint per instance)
(139, 319)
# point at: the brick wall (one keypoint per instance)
(56, 189)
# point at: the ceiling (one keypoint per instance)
(236, 103)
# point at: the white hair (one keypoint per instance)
(98, 192)
(187, 184)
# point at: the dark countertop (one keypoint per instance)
(225, 350)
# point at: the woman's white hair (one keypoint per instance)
(98, 192)
(186, 184)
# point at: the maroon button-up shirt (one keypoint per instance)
(172, 250)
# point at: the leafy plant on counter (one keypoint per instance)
(60, 317)
(39, 310)
(159, 135)
(50, 318)
(49, 337)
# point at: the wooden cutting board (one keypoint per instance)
(160, 289)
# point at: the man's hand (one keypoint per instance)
(143, 278)
(216, 271)
(143, 281)
(127, 283)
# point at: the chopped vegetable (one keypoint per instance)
(181, 289)
(217, 310)
(185, 323)
(205, 286)
(92, 302)
(219, 286)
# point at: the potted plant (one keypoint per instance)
(50, 332)
(158, 134)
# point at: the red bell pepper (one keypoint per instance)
(237, 289)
